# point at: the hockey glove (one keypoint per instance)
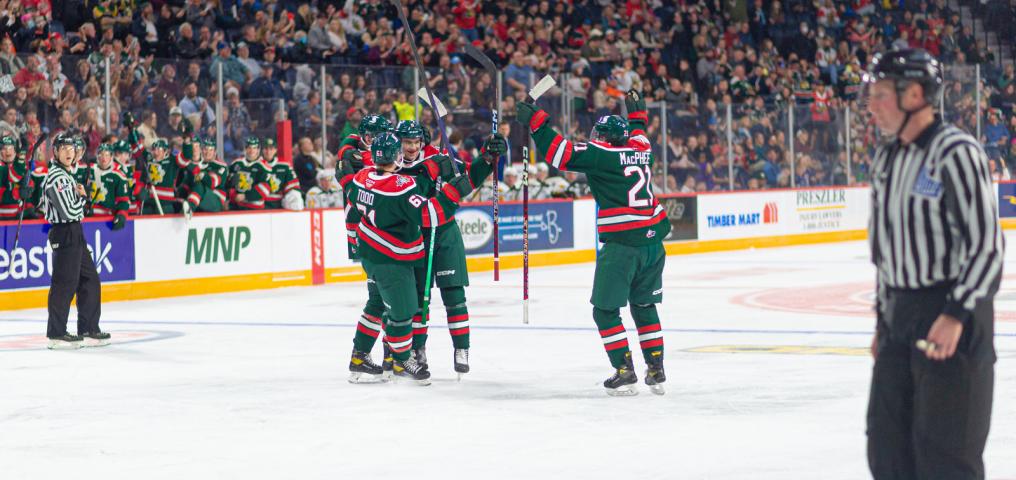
(352, 161)
(461, 183)
(119, 221)
(634, 102)
(24, 192)
(128, 120)
(143, 176)
(493, 147)
(524, 112)
(444, 165)
(186, 128)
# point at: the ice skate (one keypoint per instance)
(420, 354)
(65, 342)
(95, 339)
(412, 370)
(654, 373)
(363, 370)
(386, 363)
(461, 361)
(622, 382)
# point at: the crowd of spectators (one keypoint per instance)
(763, 58)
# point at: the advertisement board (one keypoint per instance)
(551, 226)
(682, 213)
(31, 264)
(741, 215)
(1006, 199)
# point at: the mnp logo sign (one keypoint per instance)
(31, 264)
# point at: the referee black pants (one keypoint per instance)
(73, 274)
(929, 419)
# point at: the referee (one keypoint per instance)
(937, 247)
(73, 269)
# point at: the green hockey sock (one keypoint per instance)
(615, 340)
(648, 323)
(454, 299)
(399, 334)
(367, 331)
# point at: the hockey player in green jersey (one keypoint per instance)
(354, 152)
(203, 179)
(122, 157)
(390, 210)
(248, 186)
(281, 178)
(12, 170)
(426, 165)
(109, 188)
(631, 223)
(165, 171)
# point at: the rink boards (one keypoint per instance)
(214, 253)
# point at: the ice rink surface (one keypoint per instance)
(766, 355)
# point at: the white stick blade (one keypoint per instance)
(541, 87)
(422, 93)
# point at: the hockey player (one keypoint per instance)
(123, 163)
(281, 178)
(203, 179)
(426, 166)
(11, 172)
(512, 189)
(390, 210)
(354, 152)
(326, 194)
(109, 188)
(165, 171)
(248, 186)
(631, 224)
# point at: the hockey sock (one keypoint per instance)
(373, 311)
(419, 330)
(367, 331)
(399, 334)
(454, 299)
(615, 341)
(648, 323)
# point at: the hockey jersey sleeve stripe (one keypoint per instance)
(388, 252)
(631, 225)
(388, 240)
(610, 212)
(433, 211)
(539, 118)
(216, 180)
(451, 192)
(640, 115)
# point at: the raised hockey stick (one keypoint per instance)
(23, 185)
(541, 87)
(491, 69)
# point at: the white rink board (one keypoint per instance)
(782, 212)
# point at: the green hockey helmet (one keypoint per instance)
(253, 141)
(412, 129)
(160, 143)
(611, 129)
(386, 149)
(106, 147)
(373, 125)
(269, 142)
(121, 146)
(8, 140)
(208, 142)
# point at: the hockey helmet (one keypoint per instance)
(253, 141)
(160, 143)
(906, 66)
(372, 126)
(121, 146)
(412, 129)
(8, 140)
(106, 147)
(611, 129)
(386, 149)
(269, 142)
(208, 142)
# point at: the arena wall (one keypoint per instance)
(213, 253)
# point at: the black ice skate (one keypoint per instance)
(65, 342)
(95, 339)
(461, 361)
(412, 370)
(622, 383)
(386, 363)
(420, 354)
(362, 369)
(654, 373)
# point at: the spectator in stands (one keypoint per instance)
(233, 70)
(193, 104)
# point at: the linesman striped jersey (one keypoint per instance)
(935, 218)
(620, 179)
(60, 199)
(390, 211)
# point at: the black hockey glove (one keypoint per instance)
(524, 112)
(461, 183)
(119, 221)
(634, 102)
(128, 120)
(352, 161)
(493, 147)
(444, 165)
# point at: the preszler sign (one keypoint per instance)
(821, 197)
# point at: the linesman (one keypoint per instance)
(74, 271)
(938, 249)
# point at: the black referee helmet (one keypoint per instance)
(905, 67)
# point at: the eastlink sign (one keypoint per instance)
(31, 264)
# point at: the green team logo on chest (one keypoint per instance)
(635, 158)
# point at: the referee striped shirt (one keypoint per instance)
(934, 218)
(60, 199)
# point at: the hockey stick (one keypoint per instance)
(23, 185)
(541, 87)
(488, 65)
